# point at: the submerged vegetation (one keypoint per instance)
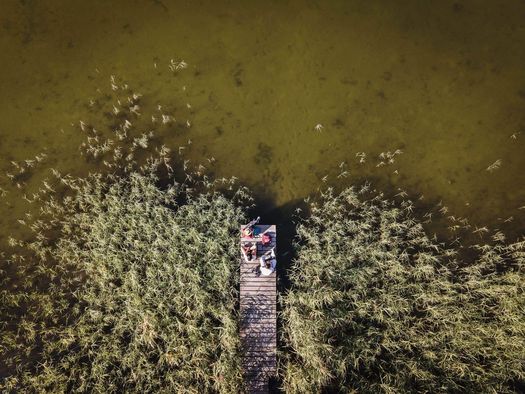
(378, 306)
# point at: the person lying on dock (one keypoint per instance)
(249, 251)
(267, 263)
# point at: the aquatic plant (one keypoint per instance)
(125, 286)
(377, 306)
(494, 166)
(127, 279)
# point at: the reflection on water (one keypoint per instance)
(444, 84)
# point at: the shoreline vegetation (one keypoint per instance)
(137, 292)
(129, 282)
(376, 305)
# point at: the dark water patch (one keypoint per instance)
(264, 154)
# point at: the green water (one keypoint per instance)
(442, 81)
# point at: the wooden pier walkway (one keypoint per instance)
(258, 299)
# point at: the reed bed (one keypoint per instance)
(127, 279)
(377, 306)
(136, 293)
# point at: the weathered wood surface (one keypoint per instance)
(258, 308)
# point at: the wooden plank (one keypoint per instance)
(259, 337)
(260, 349)
(267, 358)
(261, 388)
(261, 313)
(252, 307)
(247, 292)
(259, 326)
(259, 323)
(259, 332)
(252, 278)
(249, 308)
(269, 322)
(267, 338)
(259, 361)
(266, 368)
(260, 374)
(258, 343)
(261, 285)
(246, 278)
(255, 306)
(257, 383)
(261, 298)
(268, 292)
(258, 357)
(257, 310)
(260, 316)
(258, 295)
(266, 313)
(268, 351)
(258, 283)
(262, 288)
(268, 302)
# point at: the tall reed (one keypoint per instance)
(132, 288)
(377, 306)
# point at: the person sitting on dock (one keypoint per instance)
(249, 251)
(266, 239)
(248, 230)
(267, 263)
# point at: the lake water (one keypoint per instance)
(443, 82)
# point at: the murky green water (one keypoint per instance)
(444, 82)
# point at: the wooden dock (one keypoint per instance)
(258, 301)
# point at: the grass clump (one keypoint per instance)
(378, 306)
(126, 287)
